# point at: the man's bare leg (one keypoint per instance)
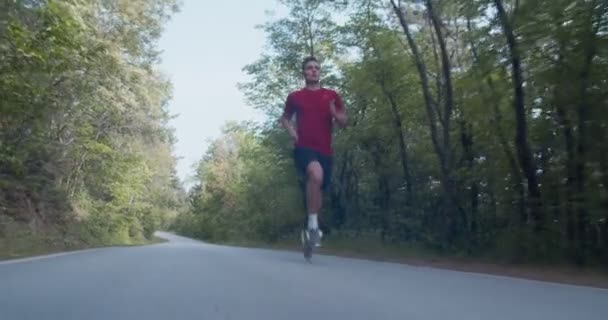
(313, 187)
(314, 182)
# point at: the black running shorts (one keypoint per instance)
(303, 157)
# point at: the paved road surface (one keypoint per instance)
(186, 279)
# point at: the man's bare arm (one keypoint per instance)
(286, 123)
(340, 116)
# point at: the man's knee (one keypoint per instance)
(315, 172)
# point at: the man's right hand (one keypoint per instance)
(292, 132)
(294, 135)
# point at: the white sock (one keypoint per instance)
(312, 221)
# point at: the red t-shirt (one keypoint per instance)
(313, 117)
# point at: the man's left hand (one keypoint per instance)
(338, 115)
(332, 107)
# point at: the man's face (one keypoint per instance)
(312, 72)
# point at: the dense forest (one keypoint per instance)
(85, 146)
(476, 127)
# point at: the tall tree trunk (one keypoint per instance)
(524, 153)
(516, 177)
(447, 85)
(447, 114)
(380, 79)
(566, 128)
(424, 82)
(493, 225)
(438, 86)
(386, 213)
(603, 157)
(466, 138)
(442, 153)
(590, 49)
(496, 122)
(603, 245)
(401, 139)
(310, 36)
(355, 192)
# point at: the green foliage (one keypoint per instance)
(84, 134)
(246, 183)
(231, 202)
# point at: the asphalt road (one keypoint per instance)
(186, 279)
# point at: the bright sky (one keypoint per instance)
(205, 46)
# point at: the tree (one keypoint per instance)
(84, 131)
(427, 158)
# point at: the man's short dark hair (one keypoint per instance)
(307, 60)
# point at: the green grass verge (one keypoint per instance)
(35, 246)
(364, 247)
(371, 248)
(25, 244)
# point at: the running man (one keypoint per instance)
(315, 108)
